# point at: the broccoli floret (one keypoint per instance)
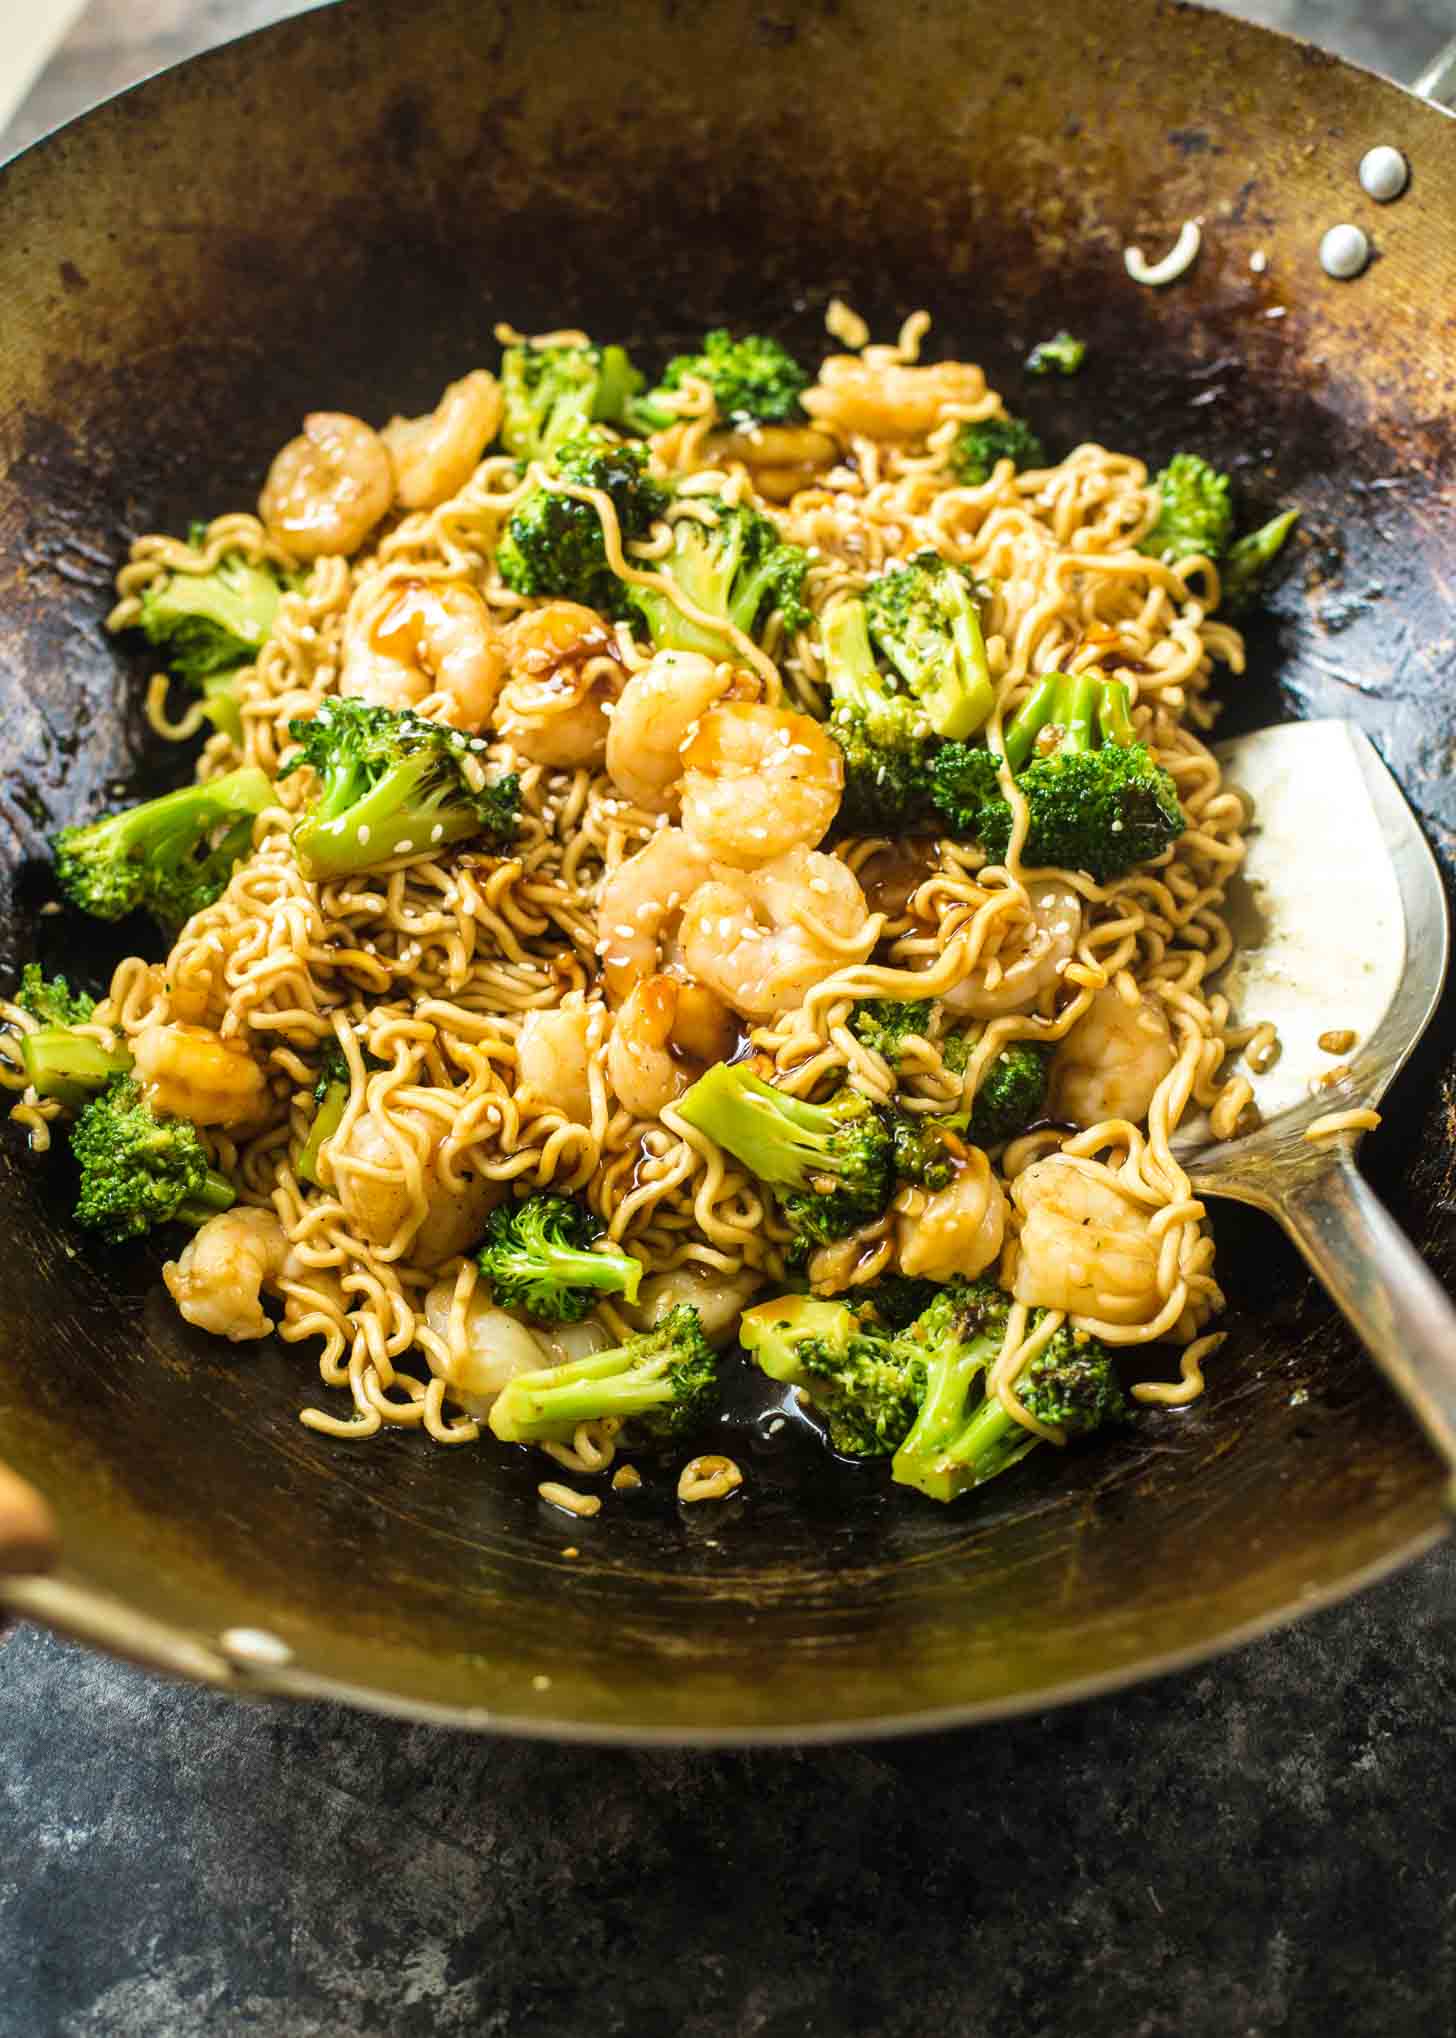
(895, 1300)
(1195, 516)
(864, 1383)
(51, 999)
(1061, 355)
(978, 447)
(1011, 1095)
(553, 543)
(962, 1437)
(754, 381)
(552, 394)
(885, 1024)
(923, 617)
(138, 1170)
(1098, 800)
(71, 1067)
(537, 1256)
(210, 624)
(736, 569)
(1250, 558)
(924, 1157)
(388, 784)
(173, 855)
(663, 1381)
(830, 1165)
(884, 733)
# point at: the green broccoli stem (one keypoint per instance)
(783, 1139)
(942, 1412)
(849, 662)
(220, 704)
(326, 1122)
(1114, 714)
(70, 1067)
(1076, 707)
(612, 1272)
(988, 1444)
(1029, 720)
(584, 1390)
(215, 1194)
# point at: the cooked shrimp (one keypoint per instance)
(562, 670)
(720, 1299)
(891, 400)
(1031, 961)
(435, 455)
(385, 1170)
(956, 1231)
(554, 1054)
(1085, 1247)
(758, 782)
(663, 1038)
(490, 1346)
(762, 939)
(191, 1072)
(424, 637)
(1112, 1061)
(782, 458)
(219, 1279)
(660, 708)
(638, 906)
(328, 488)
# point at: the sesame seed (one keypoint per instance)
(362, 834)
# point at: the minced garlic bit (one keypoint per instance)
(626, 1478)
(1178, 260)
(708, 1478)
(1339, 1040)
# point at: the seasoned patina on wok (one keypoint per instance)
(337, 212)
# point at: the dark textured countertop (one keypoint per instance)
(1259, 1847)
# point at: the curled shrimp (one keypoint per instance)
(882, 399)
(665, 1035)
(762, 939)
(1085, 1246)
(554, 1054)
(958, 1230)
(386, 1171)
(1112, 1061)
(758, 782)
(562, 670)
(720, 1299)
(658, 712)
(188, 1071)
(328, 488)
(218, 1280)
(435, 455)
(638, 906)
(781, 458)
(1031, 960)
(423, 637)
(489, 1346)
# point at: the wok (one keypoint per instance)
(335, 212)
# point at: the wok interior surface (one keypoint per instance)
(335, 214)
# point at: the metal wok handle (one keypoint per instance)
(1437, 81)
(1384, 1289)
(28, 1539)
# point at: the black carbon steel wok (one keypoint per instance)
(335, 213)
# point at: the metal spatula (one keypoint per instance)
(1341, 922)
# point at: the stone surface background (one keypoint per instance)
(1261, 1847)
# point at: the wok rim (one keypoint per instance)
(92, 1617)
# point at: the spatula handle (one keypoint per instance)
(27, 1527)
(1383, 1287)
